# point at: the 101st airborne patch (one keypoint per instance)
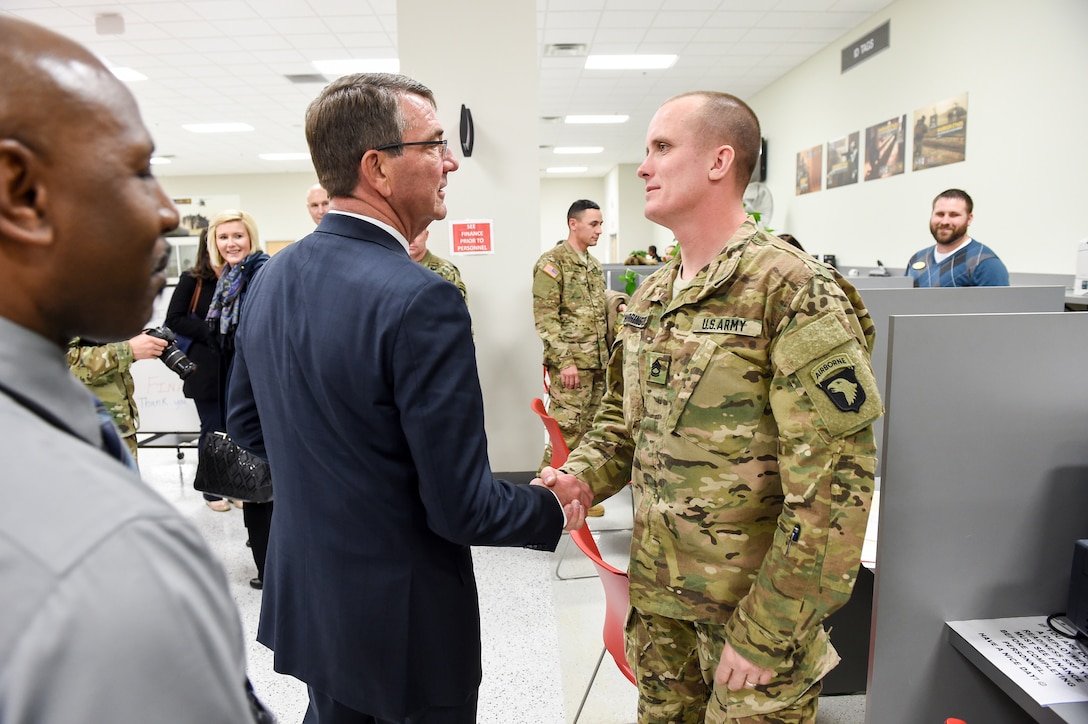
(836, 377)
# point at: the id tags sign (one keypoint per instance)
(865, 48)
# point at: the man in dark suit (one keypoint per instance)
(356, 375)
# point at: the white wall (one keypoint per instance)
(621, 196)
(276, 200)
(1022, 66)
(556, 196)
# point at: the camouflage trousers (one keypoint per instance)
(674, 663)
(573, 409)
(130, 442)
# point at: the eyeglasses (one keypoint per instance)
(444, 146)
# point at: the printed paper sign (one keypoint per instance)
(471, 237)
(1050, 668)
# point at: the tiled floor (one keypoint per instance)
(542, 636)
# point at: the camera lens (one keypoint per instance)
(176, 360)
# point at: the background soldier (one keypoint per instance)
(419, 252)
(571, 318)
(104, 368)
(740, 404)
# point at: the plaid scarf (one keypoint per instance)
(227, 302)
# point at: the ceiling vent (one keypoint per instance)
(307, 78)
(564, 50)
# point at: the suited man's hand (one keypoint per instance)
(569, 489)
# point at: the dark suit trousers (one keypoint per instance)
(258, 519)
(324, 709)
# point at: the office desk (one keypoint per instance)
(989, 662)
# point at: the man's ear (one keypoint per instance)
(723, 161)
(373, 169)
(22, 195)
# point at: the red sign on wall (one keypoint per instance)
(471, 237)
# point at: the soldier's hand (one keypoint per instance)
(144, 346)
(736, 672)
(568, 489)
(569, 377)
(576, 515)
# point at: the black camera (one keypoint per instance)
(172, 357)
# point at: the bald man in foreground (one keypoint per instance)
(114, 609)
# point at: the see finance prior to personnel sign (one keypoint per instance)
(471, 237)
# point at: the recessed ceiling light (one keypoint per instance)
(217, 127)
(596, 119)
(357, 65)
(567, 169)
(295, 156)
(579, 149)
(127, 74)
(629, 62)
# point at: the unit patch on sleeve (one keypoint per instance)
(836, 377)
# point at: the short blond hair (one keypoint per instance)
(222, 218)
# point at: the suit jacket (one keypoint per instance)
(355, 373)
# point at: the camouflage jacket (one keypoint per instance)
(742, 411)
(569, 309)
(446, 270)
(104, 369)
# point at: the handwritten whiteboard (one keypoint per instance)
(159, 399)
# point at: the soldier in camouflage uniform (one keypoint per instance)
(571, 315)
(104, 368)
(740, 402)
(419, 252)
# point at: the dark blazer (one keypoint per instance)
(203, 383)
(355, 373)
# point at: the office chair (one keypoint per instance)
(616, 601)
(560, 451)
(559, 456)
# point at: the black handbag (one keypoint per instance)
(225, 469)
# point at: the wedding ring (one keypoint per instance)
(749, 684)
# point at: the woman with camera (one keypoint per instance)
(185, 316)
(233, 245)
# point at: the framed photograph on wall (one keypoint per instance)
(196, 212)
(842, 161)
(810, 170)
(940, 133)
(885, 148)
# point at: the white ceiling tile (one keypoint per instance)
(221, 60)
(222, 9)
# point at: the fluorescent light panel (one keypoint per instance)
(596, 119)
(567, 169)
(346, 66)
(217, 127)
(579, 149)
(629, 62)
(158, 160)
(127, 75)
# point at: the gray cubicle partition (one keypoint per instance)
(883, 303)
(862, 283)
(613, 272)
(985, 490)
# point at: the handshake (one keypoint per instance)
(574, 495)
